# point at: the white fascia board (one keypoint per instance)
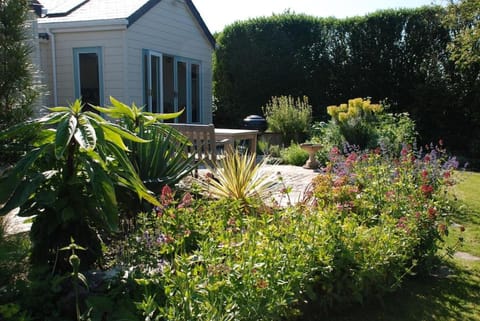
(88, 25)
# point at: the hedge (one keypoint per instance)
(398, 55)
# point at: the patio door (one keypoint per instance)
(153, 82)
(171, 84)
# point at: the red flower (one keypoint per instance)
(424, 174)
(427, 158)
(427, 190)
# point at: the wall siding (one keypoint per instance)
(111, 43)
(171, 29)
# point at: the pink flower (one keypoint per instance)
(167, 196)
(186, 201)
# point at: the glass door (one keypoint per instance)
(153, 81)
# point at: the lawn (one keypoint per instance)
(452, 294)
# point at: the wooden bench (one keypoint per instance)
(202, 137)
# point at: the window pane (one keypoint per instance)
(168, 85)
(89, 78)
(182, 90)
(195, 103)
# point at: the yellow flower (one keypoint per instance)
(343, 116)
(332, 110)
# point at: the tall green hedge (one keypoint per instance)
(399, 55)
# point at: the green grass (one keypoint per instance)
(468, 214)
(454, 294)
(455, 297)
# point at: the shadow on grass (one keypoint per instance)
(454, 297)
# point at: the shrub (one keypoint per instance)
(294, 155)
(365, 125)
(409, 189)
(68, 181)
(290, 117)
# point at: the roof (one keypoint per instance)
(70, 11)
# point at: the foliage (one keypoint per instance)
(161, 158)
(239, 178)
(356, 121)
(409, 189)
(294, 155)
(366, 126)
(17, 91)
(463, 19)
(396, 54)
(290, 117)
(68, 182)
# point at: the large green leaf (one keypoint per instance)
(85, 134)
(22, 193)
(65, 131)
(114, 138)
(117, 110)
(13, 177)
(104, 191)
(165, 116)
(123, 132)
(129, 178)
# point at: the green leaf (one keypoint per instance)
(104, 190)
(164, 116)
(123, 133)
(85, 134)
(14, 176)
(130, 178)
(122, 108)
(114, 138)
(22, 193)
(65, 131)
(59, 109)
(76, 108)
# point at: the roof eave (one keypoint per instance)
(103, 24)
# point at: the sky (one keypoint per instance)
(219, 13)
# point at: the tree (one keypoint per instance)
(17, 91)
(463, 19)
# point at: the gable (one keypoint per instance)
(72, 12)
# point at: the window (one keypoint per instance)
(88, 75)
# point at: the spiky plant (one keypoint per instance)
(238, 177)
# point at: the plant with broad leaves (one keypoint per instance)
(68, 181)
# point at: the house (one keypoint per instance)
(156, 53)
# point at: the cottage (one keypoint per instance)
(156, 53)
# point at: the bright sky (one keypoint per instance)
(219, 13)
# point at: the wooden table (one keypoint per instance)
(238, 134)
